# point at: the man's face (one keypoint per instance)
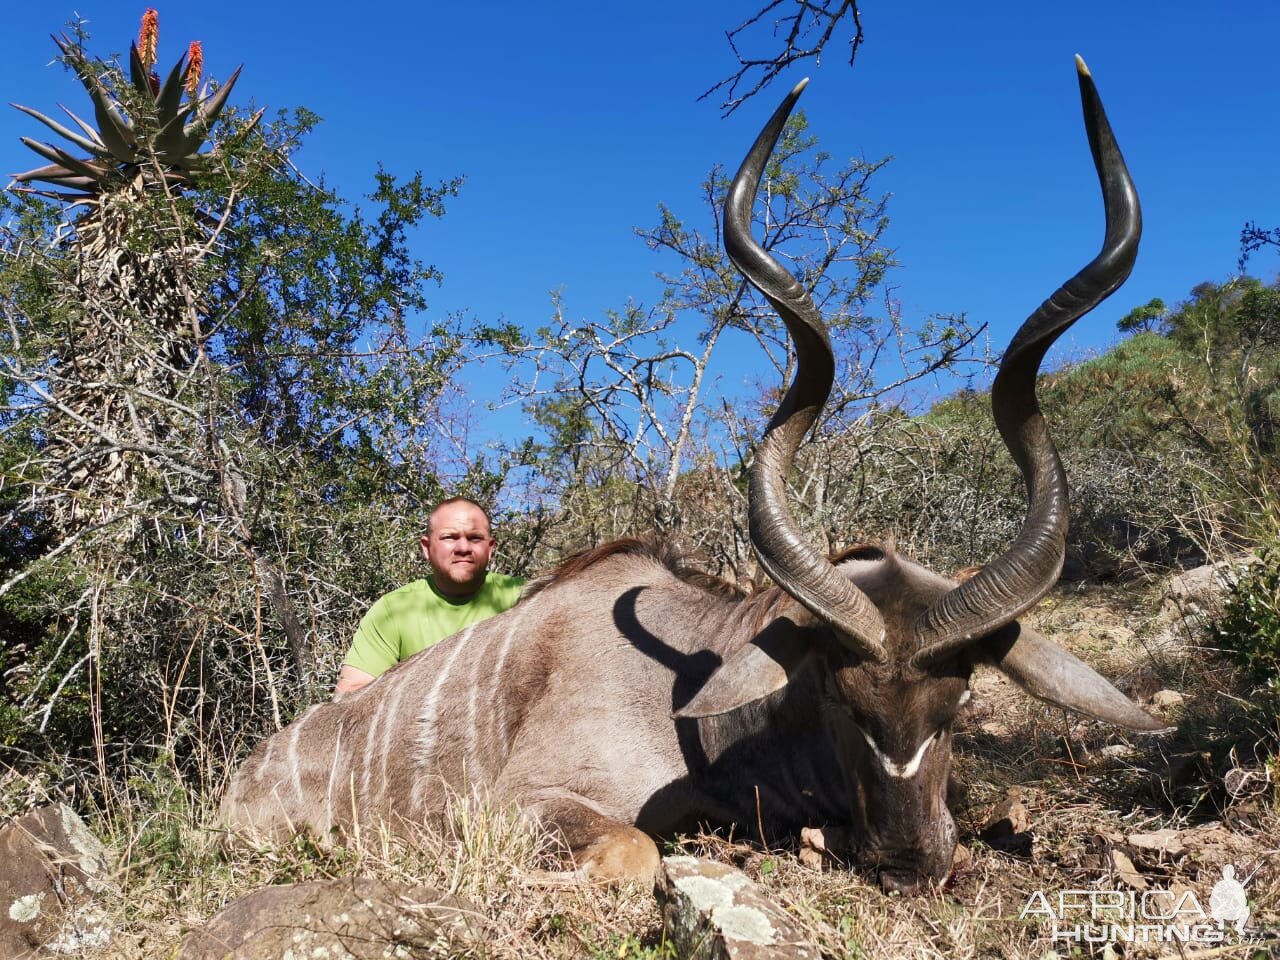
(458, 548)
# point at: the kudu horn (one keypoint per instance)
(1025, 572)
(783, 552)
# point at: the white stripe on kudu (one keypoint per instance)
(391, 728)
(335, 765)
(427, 719)
(498, 715)
(295, 775)
(366, 757)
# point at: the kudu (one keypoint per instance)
(622, 698)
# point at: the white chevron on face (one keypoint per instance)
(903, 771)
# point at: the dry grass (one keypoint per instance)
(1086, 788)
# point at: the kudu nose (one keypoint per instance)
(912, 877)
(905, 882)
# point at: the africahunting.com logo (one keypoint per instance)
(1149, 916)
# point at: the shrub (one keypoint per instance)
(1249, 628)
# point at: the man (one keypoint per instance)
(459, 591)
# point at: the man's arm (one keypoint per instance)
(351, 679)
(374, 649)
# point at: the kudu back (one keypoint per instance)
(622, 698)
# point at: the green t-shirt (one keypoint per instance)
(417, 616)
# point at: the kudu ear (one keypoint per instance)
(1047, 672)
(760, 668)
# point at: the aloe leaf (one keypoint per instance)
(171, 140)
(50, 152)
(88, 130)
(139, 74)
(171, 92)
(210, 109)
(41, 173)
(197, 131)
(68, 50)
(57, 195)
(73, 182)
(113, 128)
(82, 142)
(77, 183)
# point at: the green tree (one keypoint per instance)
(211, 391)
(1150, 317)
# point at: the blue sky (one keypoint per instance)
(571, 122)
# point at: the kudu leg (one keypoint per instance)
(604, 849)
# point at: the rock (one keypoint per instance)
(996, 729)
(1164, 699)
(1008, 826)
(1116, 751)
(347, 919)
(1201, 589)
(1161, 841)
(1166, 903)
(51, 867)
(710, 911)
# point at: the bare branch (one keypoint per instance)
(804, 32)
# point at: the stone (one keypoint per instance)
(1243, 782)
(1167, 902)
(51, 868)
(1202, 589)
(1164, 699)
(1159, 841)
(346, 919)
(1008, 826)
(711, 911)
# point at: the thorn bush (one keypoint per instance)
(1249, 628)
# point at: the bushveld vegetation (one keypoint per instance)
(221, 433)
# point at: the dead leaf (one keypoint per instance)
(811, 858)
(813, 844)
(813, 837)
(1126, 871)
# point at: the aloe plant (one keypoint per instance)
(125, 325)
(149, 130)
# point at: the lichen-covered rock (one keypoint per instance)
(710, 911)
(346, 919)
(51, 866)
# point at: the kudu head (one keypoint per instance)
(894, 643)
